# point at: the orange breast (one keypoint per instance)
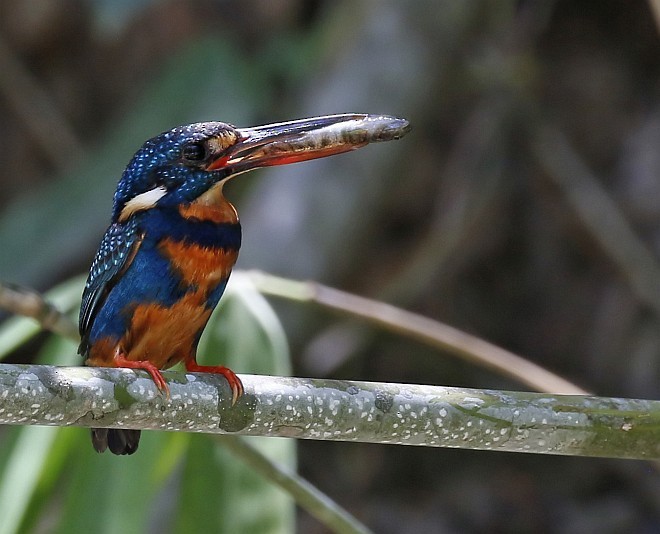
(211, 206)
(166, 335)
(202, 267)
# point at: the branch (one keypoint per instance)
(27, 302)
(30, 303)
(423, 329)
(600, 215)
(405, 414)
(37, 111)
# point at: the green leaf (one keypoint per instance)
(32, 463)
(244, 333)
(66, 215)
(63, 483)
(21, 474)
(110, 494)
(18, 330)
(219, 493)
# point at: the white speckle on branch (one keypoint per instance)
(316, 409)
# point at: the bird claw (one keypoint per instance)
(234, 382)
(191, 366)
(159, 380)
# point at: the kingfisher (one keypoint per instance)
(164, 261)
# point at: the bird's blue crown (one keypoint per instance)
(168, 161)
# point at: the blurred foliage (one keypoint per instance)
(51, 479)
(460, 221)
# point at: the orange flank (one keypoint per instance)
(102, 353)
(200, 266)
(166, 335)
(161, 335)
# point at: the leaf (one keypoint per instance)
(60, 218)
(31, 461)
(217, 492)
(18, 330)
(245, 333)
(110, 494)
(21, 474)
(69, 486)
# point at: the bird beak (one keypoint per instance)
(305, 139)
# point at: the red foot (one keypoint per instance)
(234, 382)
(121, 361)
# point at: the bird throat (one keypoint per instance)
(211, 206)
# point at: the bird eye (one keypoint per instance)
(194, 152)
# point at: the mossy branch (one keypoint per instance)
(406, 414)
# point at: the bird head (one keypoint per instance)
(178, 166)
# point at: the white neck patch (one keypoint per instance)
(143, 201)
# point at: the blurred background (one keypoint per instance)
(524, 207)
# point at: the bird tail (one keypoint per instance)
(119, 441)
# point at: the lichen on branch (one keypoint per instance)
(386, 413)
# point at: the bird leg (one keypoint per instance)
(120, 360)
(234, 382)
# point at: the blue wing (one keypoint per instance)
(117, 250)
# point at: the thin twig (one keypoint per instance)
(435, 333)
(600, 215)
(29, 303)
(655, 9)
(305, 494)
(465, 199)
(37, 111)
(422, 328)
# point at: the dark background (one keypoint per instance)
(470, 219)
